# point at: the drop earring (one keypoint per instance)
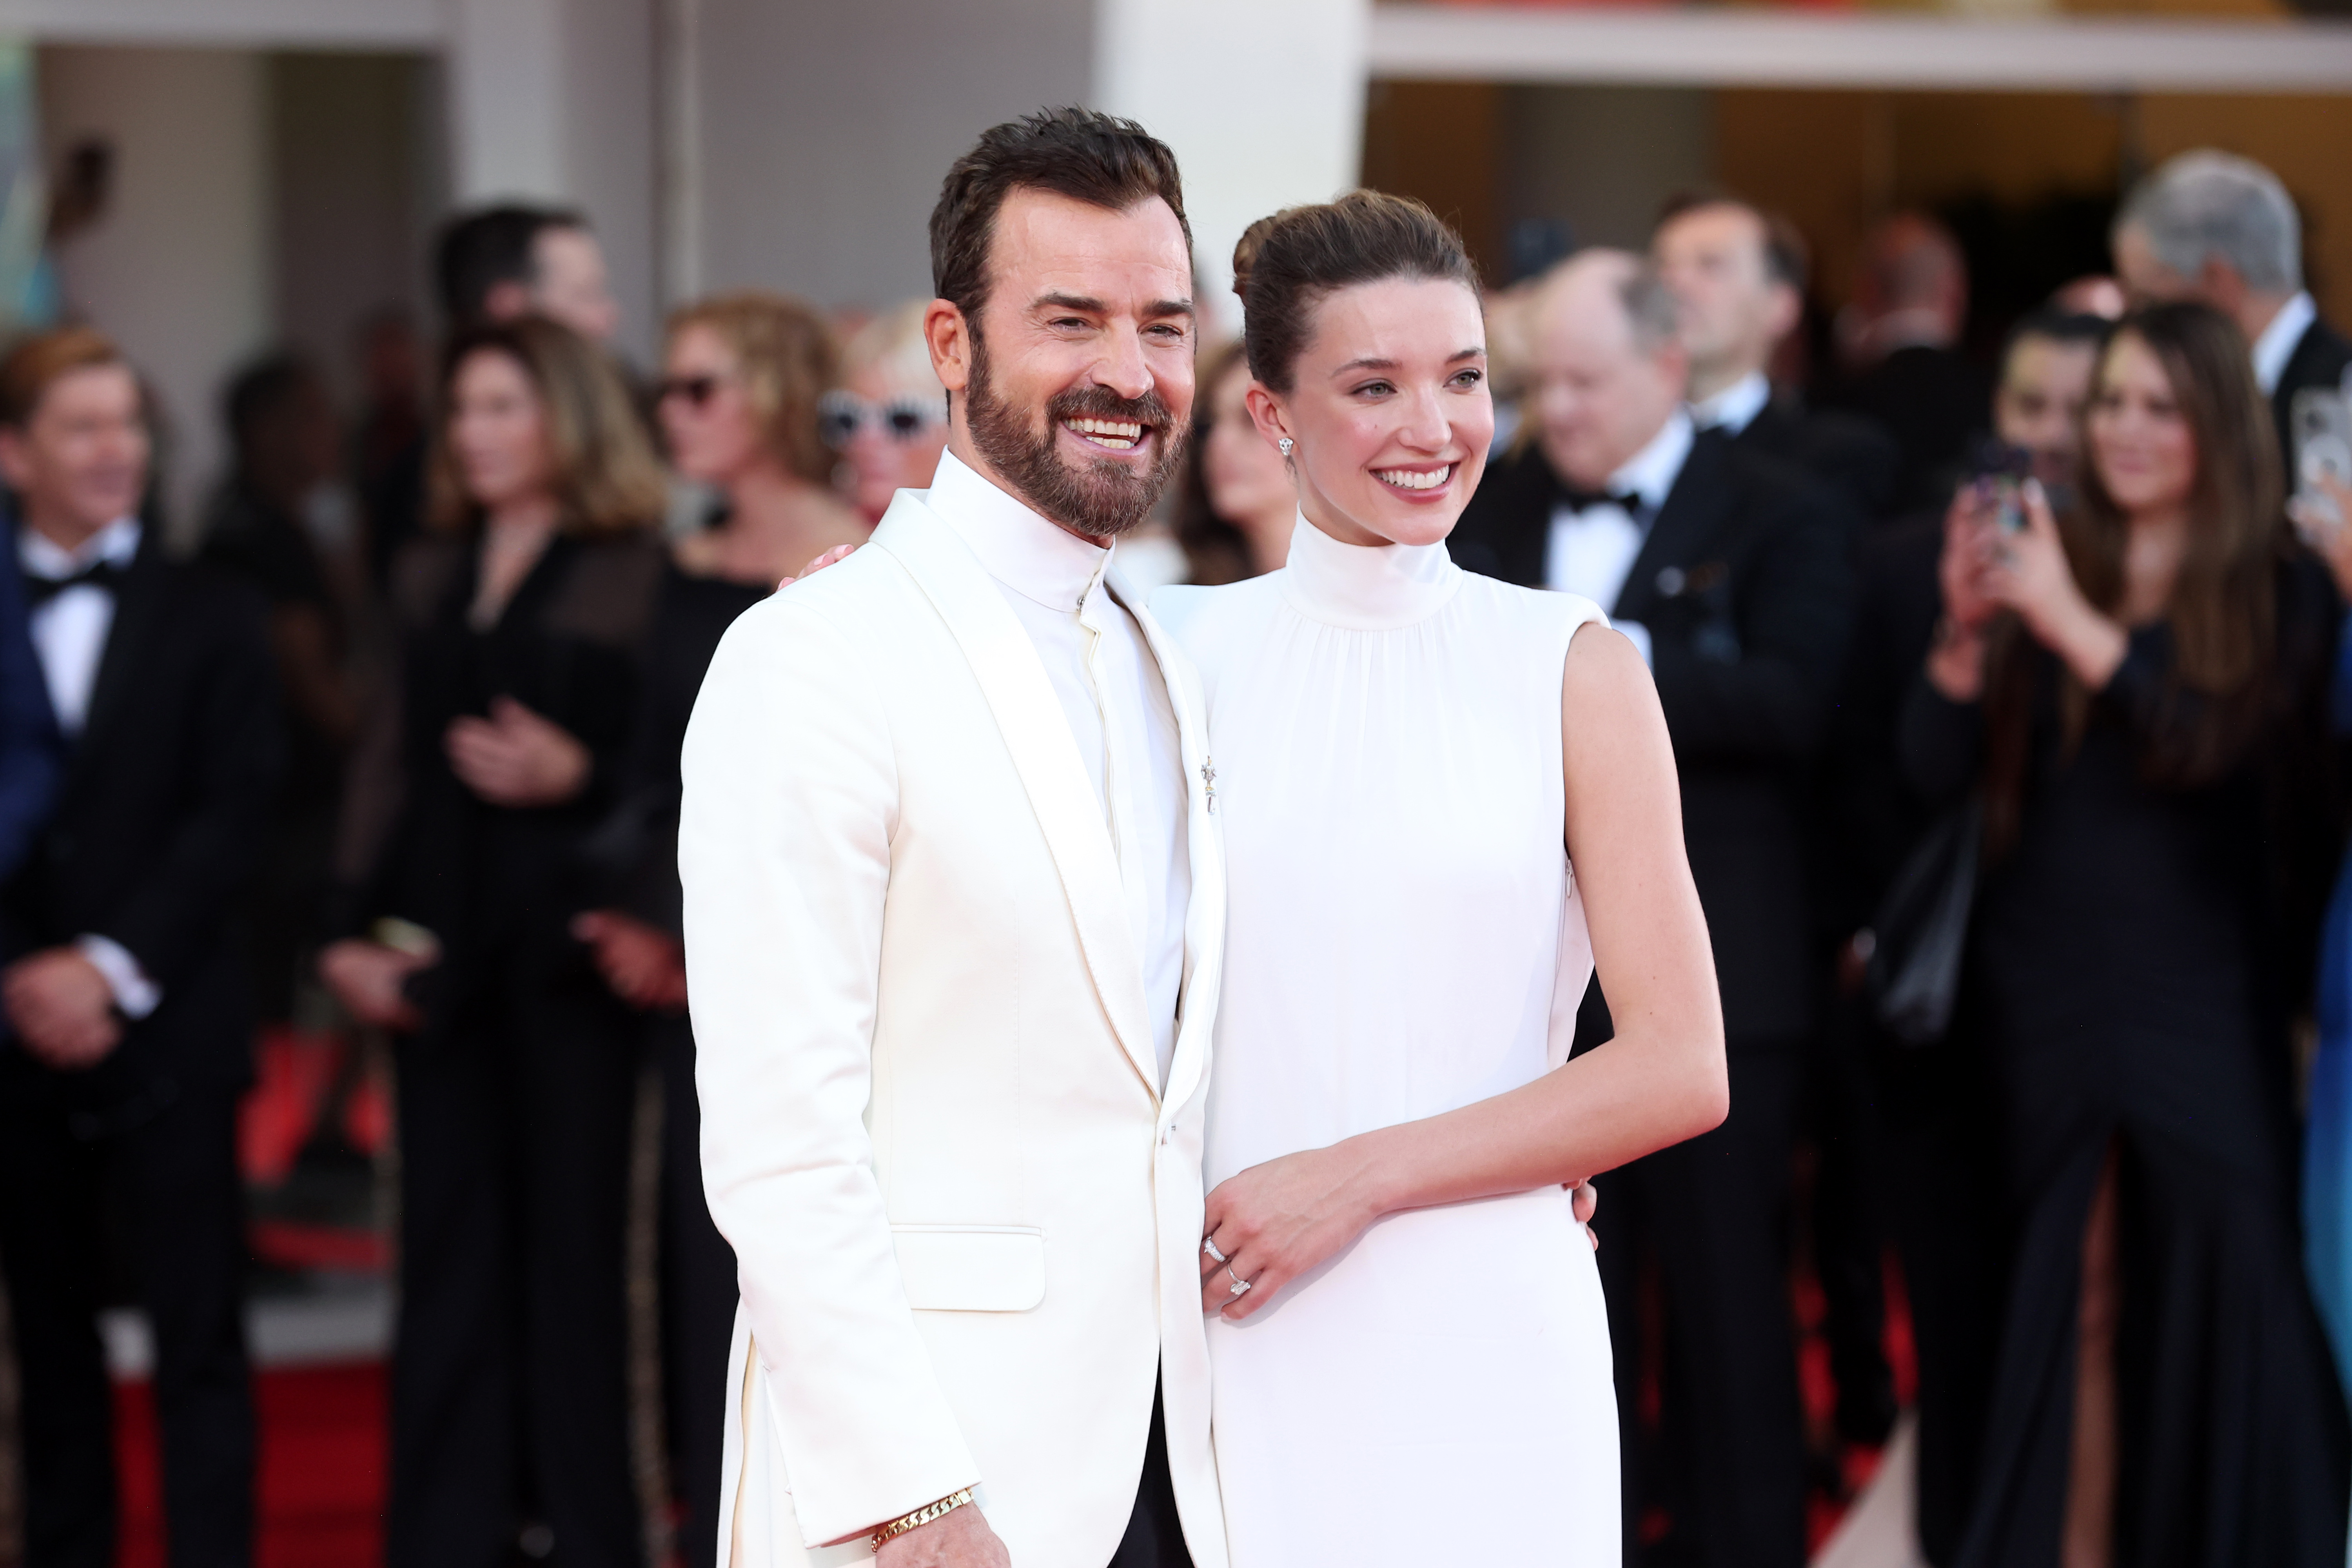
(1283, 446)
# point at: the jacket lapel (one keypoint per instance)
(1693, 507)
(1028, 715)
(137, 599)
(1204, 915)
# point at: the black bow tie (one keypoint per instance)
(40, 590)
(1631, 505)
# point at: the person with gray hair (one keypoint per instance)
(1728, 570)
(2220, 228)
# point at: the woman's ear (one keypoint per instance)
(1266, 412)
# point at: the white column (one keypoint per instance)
(1262, 100)
(178, 270)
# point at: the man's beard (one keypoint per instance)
(1103, 500)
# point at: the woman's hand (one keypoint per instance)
(1277, 1220)
(516, 758)
(368, 978)
(1971, 536)
(2029, 574)
(832, 557)
(2329, 536)
(644, 966)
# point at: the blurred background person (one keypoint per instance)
(739, 412)
(523, 615)
(1238, 505)
(1738, 276)
(125, 988)
(2212, 227)
(2137, 696)
(1899, 340)
(1932, 1127)
(1728, 570)
(283, 521)
(496, 264)
(888, 417)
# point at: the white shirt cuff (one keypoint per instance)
(1639, 635)
(135, 995)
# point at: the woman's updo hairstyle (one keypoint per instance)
(1286, 264)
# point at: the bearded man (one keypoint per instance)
(953, 916)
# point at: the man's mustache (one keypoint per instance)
(1101, 403)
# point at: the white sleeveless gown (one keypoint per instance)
(1403, 938)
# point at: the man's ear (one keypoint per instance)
(948, 336)
(505, 301)
(16, 460)
(2222, 286)
(1787, 311)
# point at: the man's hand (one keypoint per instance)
(644, 965)
(1584, 1202)
(516, 758)
(959, 1540)
(62, 1008)
(367, 978)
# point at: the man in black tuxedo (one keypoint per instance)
(1728, 570)
(125, 992)
(1739, 278)
(1900, 339)
(2217, 228)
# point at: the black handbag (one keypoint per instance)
(1922, 934)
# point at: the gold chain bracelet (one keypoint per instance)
(924, 1515)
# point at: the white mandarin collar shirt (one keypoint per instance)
(69, 636)
(1593, 552)
(1110, 688)
(1735, 408)
(2276, 345)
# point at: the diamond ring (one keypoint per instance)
(1209, 1246)
(1240, 1287)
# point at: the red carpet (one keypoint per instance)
(322, 1469)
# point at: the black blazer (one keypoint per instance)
(1844, 451)
(162, 820)
(1745, 586)
(2320, 358)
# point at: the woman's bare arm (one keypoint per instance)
(1660, 1080)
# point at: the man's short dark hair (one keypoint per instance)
(1788, 259)
(265, 390)
(481, 249)
(1081, 153)
(2075, 329)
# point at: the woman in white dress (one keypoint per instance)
(1410, 1353)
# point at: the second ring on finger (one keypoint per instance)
(1239, 1287)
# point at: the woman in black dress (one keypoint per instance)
(2137, 695)
(522, 611)
(739, 411)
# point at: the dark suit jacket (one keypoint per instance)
(161, 819)
(1934, 403)
(1745, 587)
(2320, 358)
(32, 752)
(1844, 451)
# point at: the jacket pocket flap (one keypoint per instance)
(971, 1268)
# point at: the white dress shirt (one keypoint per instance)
(2276, 345)
(1593, 552)
(1115, 700)
(1735, 408)
(70, 635)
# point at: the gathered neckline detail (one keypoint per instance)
(1371, 588)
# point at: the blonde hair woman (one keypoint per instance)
(521, 611)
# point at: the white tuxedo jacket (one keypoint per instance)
(964, 1215)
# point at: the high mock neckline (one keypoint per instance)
(1366, 588)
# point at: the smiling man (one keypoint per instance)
(953, 923)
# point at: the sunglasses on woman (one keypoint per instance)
(841, 414)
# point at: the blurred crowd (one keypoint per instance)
(2005, 698)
